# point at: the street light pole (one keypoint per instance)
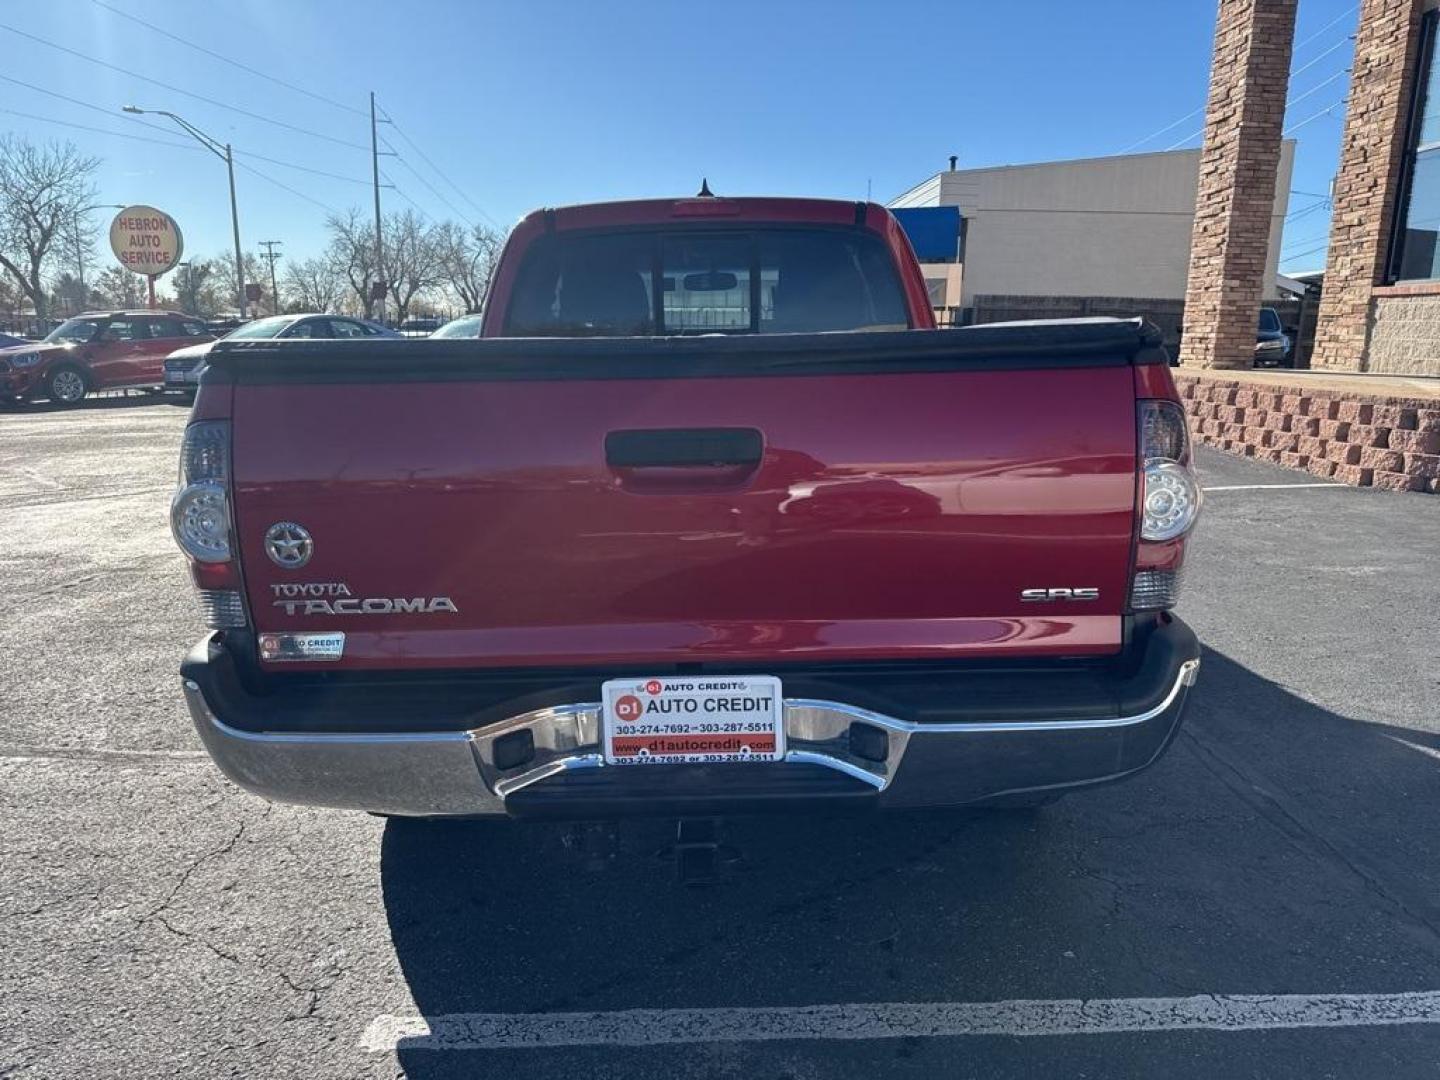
(79, 247)
(224, 153)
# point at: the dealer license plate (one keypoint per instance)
(670, 721)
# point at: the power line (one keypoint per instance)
(1297, 71)
(1305, 239)
(86, 104)
(1296, 215)
(1318, 87)
(286, 187)
(1302, 97)
(101, 131)
(157, 127)
(1161, 131)
(227, 60)
(425, 158)
(1315, 116)
(1338, 18)
(433, 189)
(302, 168)
(1311, 251)
(405, 195)
(177, 90)
(1306, 67)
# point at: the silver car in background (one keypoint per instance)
(463, 327)
(183, 366)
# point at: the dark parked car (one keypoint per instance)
(224, 324)
(1273, 346)
(182, 367)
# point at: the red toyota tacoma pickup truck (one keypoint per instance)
(709, 519)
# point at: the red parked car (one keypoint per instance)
(101, 351)
(709, 519)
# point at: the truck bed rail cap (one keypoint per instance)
(1051, 344)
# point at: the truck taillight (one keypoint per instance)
(201, 522)
(1169, 505)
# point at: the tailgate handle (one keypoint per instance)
(684, 448)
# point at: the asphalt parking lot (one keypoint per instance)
(156, 921)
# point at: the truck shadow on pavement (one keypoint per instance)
(1277, 848)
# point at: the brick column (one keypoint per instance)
(1249, 75)
(1371, 154)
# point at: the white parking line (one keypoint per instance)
(894, 1020)
(1276, 487)
(86, 753)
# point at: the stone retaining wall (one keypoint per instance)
(1361, 439)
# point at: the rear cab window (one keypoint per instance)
(725, 281)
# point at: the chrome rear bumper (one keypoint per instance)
(445, 773)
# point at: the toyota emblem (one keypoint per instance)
(289, 545)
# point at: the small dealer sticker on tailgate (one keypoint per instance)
(693, 720)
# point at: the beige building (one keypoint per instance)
(1096, 227)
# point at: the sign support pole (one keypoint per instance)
(150, 289)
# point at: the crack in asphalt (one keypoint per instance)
(1303, 835)
(312, 994)
(1118, 890)
(195, 864)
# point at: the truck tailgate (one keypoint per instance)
(466, 514)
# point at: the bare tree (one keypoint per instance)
(467, 261)
(195, 285)
(351, 254)
(314, 285)
(412, 259)
(255, 274)
(42, 192)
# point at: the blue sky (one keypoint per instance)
(529, 103)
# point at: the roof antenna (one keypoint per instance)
(705, 192)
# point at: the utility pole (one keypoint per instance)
(272, 256)
(235, 228)
(379, 243)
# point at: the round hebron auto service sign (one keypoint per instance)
(146, 241)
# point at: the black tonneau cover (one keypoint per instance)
(1043, 344)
